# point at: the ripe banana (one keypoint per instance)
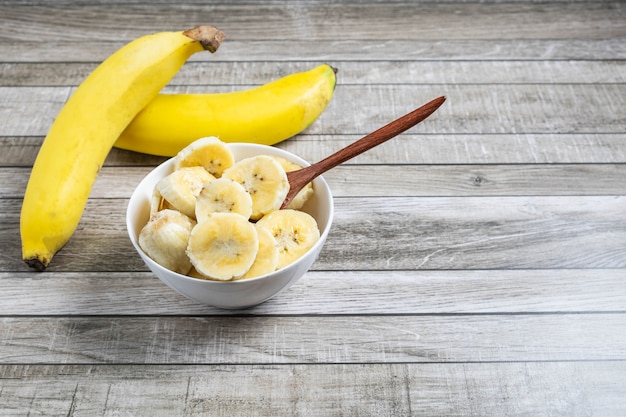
(87, 127)
(267, 114)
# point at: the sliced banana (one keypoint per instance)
(210, 153)
(181, 188)
(164, 239)
(266, 259)
(264, 179)
(305, 193)
(158, 203)
(195, 274)
(295, 231)
(223, 195)
(223, 246)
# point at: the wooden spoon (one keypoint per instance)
(298, 179)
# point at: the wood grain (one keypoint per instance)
(500, 109)
(400, 50)
(394, 234)
(476, 265)
(319, 20)
(532, 291)
(403, 180)
(321, 340)
(408, 149)
(244, 74)
(456, 389)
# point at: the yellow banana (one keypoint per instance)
(86, 128)
(267, 114)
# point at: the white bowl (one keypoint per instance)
(232, 294)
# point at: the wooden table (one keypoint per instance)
(476, 265)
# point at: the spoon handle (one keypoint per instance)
(379, 136)
(298, 179)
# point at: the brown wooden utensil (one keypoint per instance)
(298, 179)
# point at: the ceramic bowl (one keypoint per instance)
(232, 294)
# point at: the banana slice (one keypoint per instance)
(210, 153)
(164, 239)
(264, 179)
(158, 203)
(266, 259)
(223, 195)
(193, 273)
(223, 246)
(295, 231)
(181, 188)
(305, 193)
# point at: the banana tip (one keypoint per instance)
(36, 263)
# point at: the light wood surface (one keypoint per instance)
(476, 265)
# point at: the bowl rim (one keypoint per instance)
(291, 156)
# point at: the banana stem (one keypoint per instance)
(208, 36)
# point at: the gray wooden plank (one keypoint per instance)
(415, 148)
(477, 180)
(568, 389)
(22, 151)
(284, 2)
(320, 21)
(394, 50)
(473, 109)
(393, 234)
(505, 232)
(493, 286)
(248, 74)
(312, 339)
(402, 180)
(328, 293)
(433, 149)
(470, 109)
(30, 109)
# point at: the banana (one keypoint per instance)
(158, 203)
(181, 188)
(87, 127)
(195, 274)
(266, 114)
(225, 243)
(223, 246)
(223, 196)
(164, 239)
(266, 259)
(264, 179)
(295, 231)
(208, 152)
(305, 193)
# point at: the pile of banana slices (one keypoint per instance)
(220, 219)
